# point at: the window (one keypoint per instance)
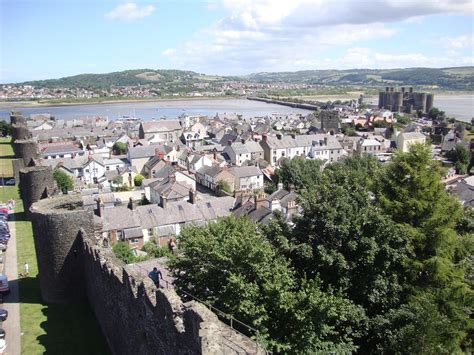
(87, 170)
(134, 240)
(107, 168)
(150, 231)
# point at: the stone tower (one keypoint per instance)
(36, 183)
(57, 225)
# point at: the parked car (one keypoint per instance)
(2, 333)
(3, 314)
(10, 182)
(3, 346)
(3, 247)
(4, 288)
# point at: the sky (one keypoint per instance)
(44, 39)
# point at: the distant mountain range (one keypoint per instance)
(457, 78)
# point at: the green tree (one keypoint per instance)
(224, 186)
(299, 172)
(63, 181)
(461, 156)
(412, 193)
(119, 148)
(155, 250)
(5, 128)
(138, 179)
(123, 252)
(230, 258)
(118, 180)
(345, 239)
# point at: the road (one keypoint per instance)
(12, 301)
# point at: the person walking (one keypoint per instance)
(155, 275)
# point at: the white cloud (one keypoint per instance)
(130, 12)
(264, 35)
(465, 41)
(169, 52)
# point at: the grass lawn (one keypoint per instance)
(51, 329)
(6, 154)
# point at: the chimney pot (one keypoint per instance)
(229, 142)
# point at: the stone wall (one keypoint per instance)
(20, 131)
(135, 316)
(36, 183)
(58, 245)
(25, 149)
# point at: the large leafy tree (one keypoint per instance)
(232, 266)
(412, 193)
(299, 172)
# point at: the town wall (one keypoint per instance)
(20, 131)
(26, 150)
(135, 316)
(17, 119)
(58, 245)
(36, 183)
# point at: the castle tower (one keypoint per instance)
(17, 119)
(59, 249)
(26, 150)
(20, 131)
(36, 183)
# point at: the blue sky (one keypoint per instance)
(43, 39)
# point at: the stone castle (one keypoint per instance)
(135, 316)
(405, 101)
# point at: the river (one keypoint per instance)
(155, 109)
(459, 106)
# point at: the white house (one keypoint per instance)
(247, 178)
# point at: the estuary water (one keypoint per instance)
(459, 106)
(155, 109)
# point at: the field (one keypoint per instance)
(51, 329)
(6, 154)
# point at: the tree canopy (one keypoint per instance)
(119, 148)
(379, 261)
(63, 180)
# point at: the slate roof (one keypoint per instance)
(119, 218)
(184, 212)
(171, 189)
(148, 151)
(246, 148)
(245, 171)
(301, 141)
(161, 126)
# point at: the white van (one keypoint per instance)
(4, 284)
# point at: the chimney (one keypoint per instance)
(172, 177)
(130, 203)
(410, 89)
(325, 140)
(264, 137)
(158, 153)
(178, 147)
(192, 196)
(100, 207)
(229, 142)
(293, 136)
(242, 141)
(214, 155)
(260, 200)
(279, 136)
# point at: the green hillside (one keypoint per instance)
(460, 78)
(126, 78)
